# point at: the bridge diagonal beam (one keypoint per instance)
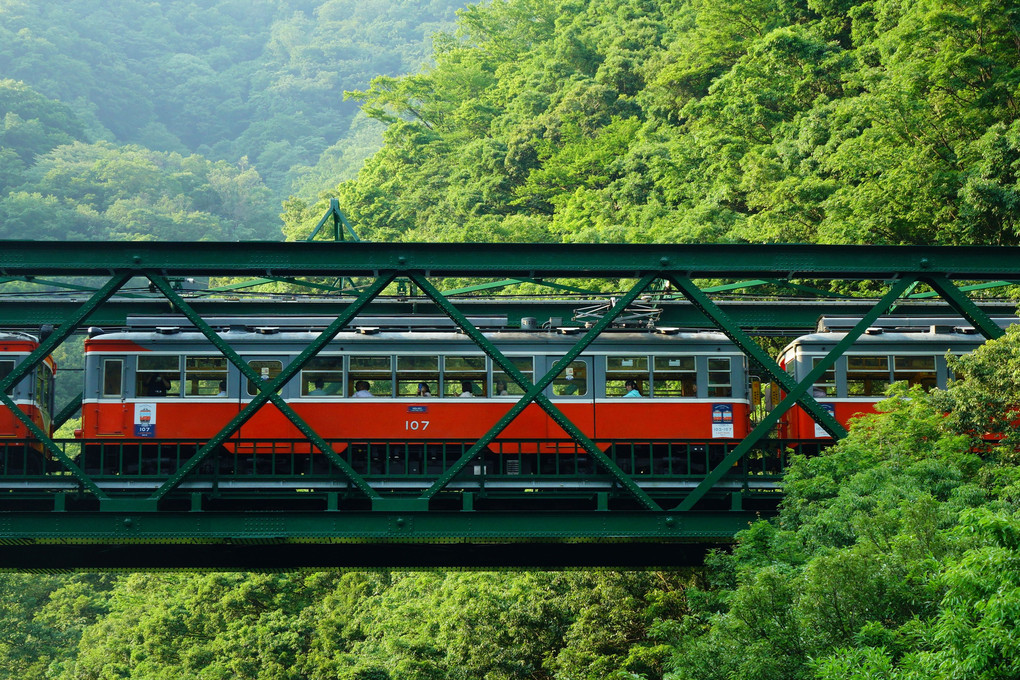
(70, 408)
(268, 391)
(39, 354)
(534, 392)
(948, 291)
(794, 395)
(751, 348)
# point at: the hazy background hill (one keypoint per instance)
(189, 119)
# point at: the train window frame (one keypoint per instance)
(926, 384)
(688, 386)
(380, 380)
(104, 378)
(822, 388)
(719, 390)
(632, 367)
(9, 364)
(44, 387)
(170, 376)
(511, 388)
(410, 376)
(860, 375)
(251, 388)
(455, 377)
(566, 379)
(327, 368)
(199, 377)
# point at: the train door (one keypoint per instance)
(573, 392)
(112, 412)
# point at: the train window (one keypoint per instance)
(504, 386)
(464, 376)
(572, 381)
(623, 370)
(113, 377)
(417, 376)
(205, 376)
(323, 376)
(158, 376)
(674, 377)
(374, 370)
(266, 369)
(719, 377)
(915, 370)
(6, 368)
(825, 386)
(866, 376)
(43, 386)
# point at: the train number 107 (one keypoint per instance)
(416, 425)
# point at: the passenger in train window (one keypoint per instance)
(363, 389)
(223, 389)
(501, 390)
(157, 386)
(632, 389)
(466, 388)
(423, 390)
(318, 391)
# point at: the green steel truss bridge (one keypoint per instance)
(601, 514)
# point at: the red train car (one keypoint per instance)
(412, 385)
(33, 395)
(911, 350)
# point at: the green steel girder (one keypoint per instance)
(160, 541)
(355, 527)
(752, 350)
(268, 391)
(502, 260)
(535, 392)
(68, 411)
(37, 356)
(963, 304)
(418, 262)
(776, 316)
(795, 395)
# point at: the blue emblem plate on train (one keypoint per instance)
(417, 409)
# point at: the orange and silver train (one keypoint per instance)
(160, 379)
(33, 394)
(372, 383)
(912, 350)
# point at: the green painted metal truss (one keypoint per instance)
(101, 525)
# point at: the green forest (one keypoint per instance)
(896, 553)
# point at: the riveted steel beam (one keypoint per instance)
(534, 392)
(795, 395)
(749, 347)
(529, 260)
(268, 391)
(965, 306)
(789, 317)
(255, 379)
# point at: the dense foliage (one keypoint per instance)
(872, 121)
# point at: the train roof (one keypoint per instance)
(908, 323)
(364, 337)
(10, 336)
(902, 338)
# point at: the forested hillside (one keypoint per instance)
(188, 120)
(873, 121)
